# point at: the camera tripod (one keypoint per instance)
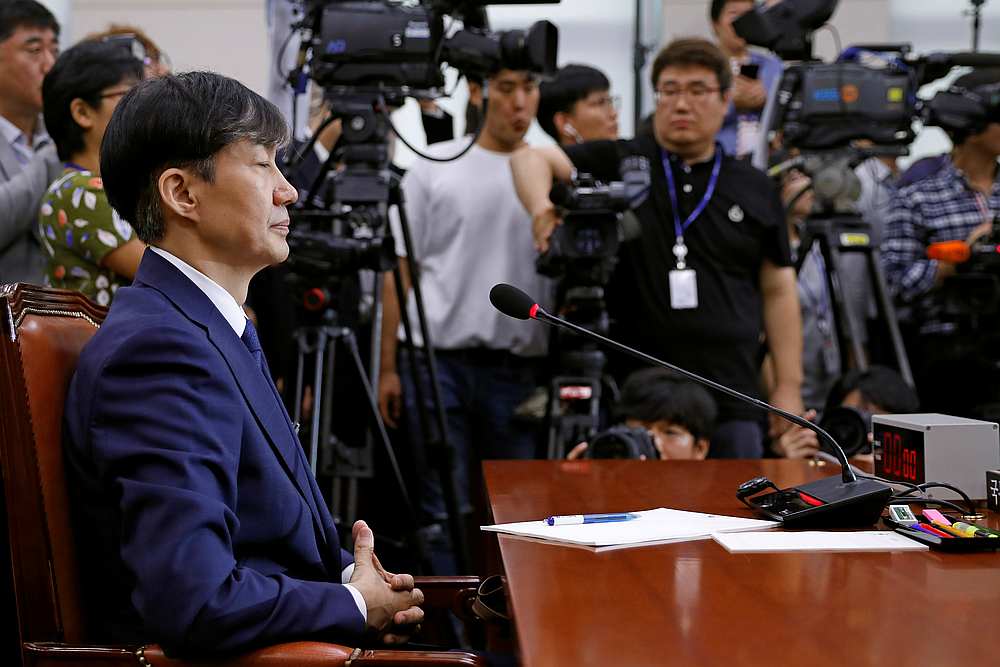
(837, 228)
(577, 391)
(355, 201)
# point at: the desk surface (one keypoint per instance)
(693, 603)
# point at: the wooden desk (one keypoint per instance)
(693, 603)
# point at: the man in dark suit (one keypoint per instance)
(199, 524)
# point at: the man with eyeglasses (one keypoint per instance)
(711, 270)
(29, 44)
(576, 106)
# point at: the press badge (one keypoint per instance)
(683, 289)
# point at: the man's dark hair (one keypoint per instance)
(715, 9)
(571, 84)
(879, 385)
(657, 394)
(181, 121)
(693, 52)
(83, 72)
(16, 14)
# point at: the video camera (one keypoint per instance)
(369, 55)
(870, 93)
(583, 249)
(389, 46)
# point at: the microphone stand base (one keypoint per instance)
(825, 503)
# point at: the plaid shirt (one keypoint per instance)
(942, 207)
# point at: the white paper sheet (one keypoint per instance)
(653, 526)
(792, 541)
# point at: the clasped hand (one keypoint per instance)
(393, 604)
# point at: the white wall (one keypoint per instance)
(227, 36)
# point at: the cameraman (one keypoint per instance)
(956, 204)
(469, 232)
(576, 105)
(679, 414)
(728, 227)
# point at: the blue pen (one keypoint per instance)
(571, 519)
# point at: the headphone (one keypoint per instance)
(963, 112)
(571, 131)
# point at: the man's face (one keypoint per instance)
(242, 217)
(25, 58)
(728, 39)
(594, 117)
(513, 102)
(690, 107)
(988, 140)
(673, 441)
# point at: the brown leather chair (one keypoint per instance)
(43, 331)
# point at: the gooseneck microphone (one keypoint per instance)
(847, 501)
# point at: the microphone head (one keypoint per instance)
(512, 302)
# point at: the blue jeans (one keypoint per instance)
(480, 389)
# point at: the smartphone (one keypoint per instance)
(750, 70)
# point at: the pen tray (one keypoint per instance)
(947, 544)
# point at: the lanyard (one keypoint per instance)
(679, 228)
(821, 299)
(983, 204)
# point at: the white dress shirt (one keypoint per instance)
(233, 312)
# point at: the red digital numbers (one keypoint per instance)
(898, 460)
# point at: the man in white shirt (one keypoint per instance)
(198, 522)
(469, 232)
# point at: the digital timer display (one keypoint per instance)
(898, 453)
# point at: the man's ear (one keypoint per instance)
(559, 119)
(82, 113)
(177, 194)
(700, 449)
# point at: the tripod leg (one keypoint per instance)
(887, 313)
(456, 524)
(408, 508)
(847, 324)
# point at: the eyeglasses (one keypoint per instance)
(696, 92)
(113, 93)
(606, 102)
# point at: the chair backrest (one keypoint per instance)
(43, 331)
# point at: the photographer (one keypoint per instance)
(576, 105)
(754, 74)
(711, 269)
(956, 204)
(679, 414)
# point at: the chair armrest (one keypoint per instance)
(452, 593)
(292, 654)
(320, 654)
(43, 654)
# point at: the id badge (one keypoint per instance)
(683, 289)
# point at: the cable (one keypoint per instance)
(300, 155)
(832, 29)
(388, 119)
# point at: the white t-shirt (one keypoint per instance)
(469, 233)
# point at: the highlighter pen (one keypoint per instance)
(932, 530)
(971, 531)
(935, 516)
(948, 528)
(986, 529)
(589, 518)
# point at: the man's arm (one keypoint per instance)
(783, 327)
(390, 391)
(174, 462)
(21, 195)
(908, 271)
(534, 170)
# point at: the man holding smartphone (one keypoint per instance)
(753, 76)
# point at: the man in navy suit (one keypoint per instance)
(198, 523)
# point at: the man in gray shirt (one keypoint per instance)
(29, 44)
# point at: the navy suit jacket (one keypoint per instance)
(199, 523)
